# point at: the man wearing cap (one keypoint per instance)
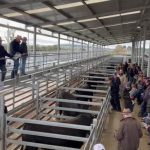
(24, 50)
(129, 133)
(3, 53)
(15, 49)
(115, 83)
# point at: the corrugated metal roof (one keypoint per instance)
(104, 21)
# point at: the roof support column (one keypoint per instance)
(140, 47)
(82, 50)
(34, 48)
(136, 51)
(88, 56)
(148, 66)
(133, 52)
(93, 55)
(143, 51)
(58, 60)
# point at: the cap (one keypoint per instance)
(98, 147)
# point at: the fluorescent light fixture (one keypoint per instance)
(82, 30)
(119, 24)
(70, 5)
(113, 25)
(13, 14)
(110, 16)
(97, 28)
(47, 26)
(138, 27)
(86, 20)
(95, 1)
(66, 23)
(34, 11)
(122, 14)
(130, 13)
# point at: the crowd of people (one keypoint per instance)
(130, 85)
(18, 52)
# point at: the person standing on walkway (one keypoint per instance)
(3, 53)
(24, 50)
(115, 83)
(15, 50)
(129, 133)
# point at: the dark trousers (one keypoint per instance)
(15, 68)
(115, 102)
(3, 72)
(143, 109)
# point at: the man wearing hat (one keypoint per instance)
(24, 50)
(15, 50)
(3, 53)
(129, 132)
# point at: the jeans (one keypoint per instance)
(15, 68)
(23, 64)
(3, 72)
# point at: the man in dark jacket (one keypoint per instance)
(15, 50)
(115, 83)
(24, 50)
(3, 53)
(129, 132)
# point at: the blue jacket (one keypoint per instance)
(15, 47)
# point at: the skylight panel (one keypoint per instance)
(86, 20)
(40, 10)
(130, 13)
(47, 26)
(110, 16)
(70, 5)
(66, 23)
(13, 14)
(95, 1)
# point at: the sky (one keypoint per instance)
(41, 40)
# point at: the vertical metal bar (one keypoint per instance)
(37, 85)
(93, 55)
(33, 86)
(47, 79)
(34, 48)
(72, 50)
(133, 51)
(140, 47)
(88, 56)
(2, 123)
(143, 51)
(58, 61)
(148, 67)
(14, 91)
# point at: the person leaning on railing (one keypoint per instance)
(16, 52)
(24, 50)
(3, 53)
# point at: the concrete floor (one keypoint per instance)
(113, 122)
